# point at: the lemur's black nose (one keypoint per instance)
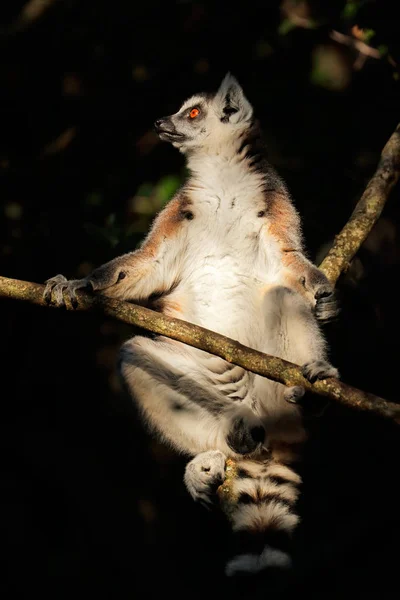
(158, 124)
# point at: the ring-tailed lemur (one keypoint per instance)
(225, 253)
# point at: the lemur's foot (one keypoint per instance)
(294, 393)
(246, 433)
(322, 291)
(59, 289)
(319, 369)
(326, 306)
(203, 475)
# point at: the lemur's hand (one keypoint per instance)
(59, 289)
(326, 307)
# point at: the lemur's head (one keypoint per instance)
(206, 121)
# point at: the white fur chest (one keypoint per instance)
(229, 257)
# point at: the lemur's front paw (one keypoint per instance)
(326, 306)
(203, 475)
(246, 434)
(319, 369)
(59, 289)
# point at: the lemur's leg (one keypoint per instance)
(306, 343)
(296, 336)
(191, 416)
(204, 474)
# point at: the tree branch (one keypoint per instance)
(271, 367)
(366, 212)
(31, 12)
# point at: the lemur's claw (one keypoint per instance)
(319, 369)
(59, 289)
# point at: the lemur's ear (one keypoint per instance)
(231, 103)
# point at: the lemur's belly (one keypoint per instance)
(232, 304)
(260, 315)
(254, 315)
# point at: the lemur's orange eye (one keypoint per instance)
(193, 113)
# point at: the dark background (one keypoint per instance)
(90, 503)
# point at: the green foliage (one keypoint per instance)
(328, 69)
(166, 188)
(351, 8)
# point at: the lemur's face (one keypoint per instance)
(204, 121)
(189, 126)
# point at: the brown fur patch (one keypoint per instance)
(283, 222)
(166, 225)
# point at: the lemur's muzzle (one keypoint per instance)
(166, 129)
(158, 125)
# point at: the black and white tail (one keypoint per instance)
(264, 517)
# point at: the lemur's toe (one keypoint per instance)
(294, 393)
(326, 307)
(319, 369)
(203, 475)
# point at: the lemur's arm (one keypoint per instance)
(299, 272)
(136, 275)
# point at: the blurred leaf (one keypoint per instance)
(13, 211)
(60, 143)
(351, 9)
(383, 49)
(145, 189)
(72, 85)
(140, 73)
(143, 205)
(286, 27)
(368, 34)
(94, 199)
(263, 49)
(110, 220)
(362, 34)
(102, 234)
(166, 188)
(329, 68)
(201, 66)
(296, 13)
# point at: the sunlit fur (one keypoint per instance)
(226, 253)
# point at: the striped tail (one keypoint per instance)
(263, 516)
